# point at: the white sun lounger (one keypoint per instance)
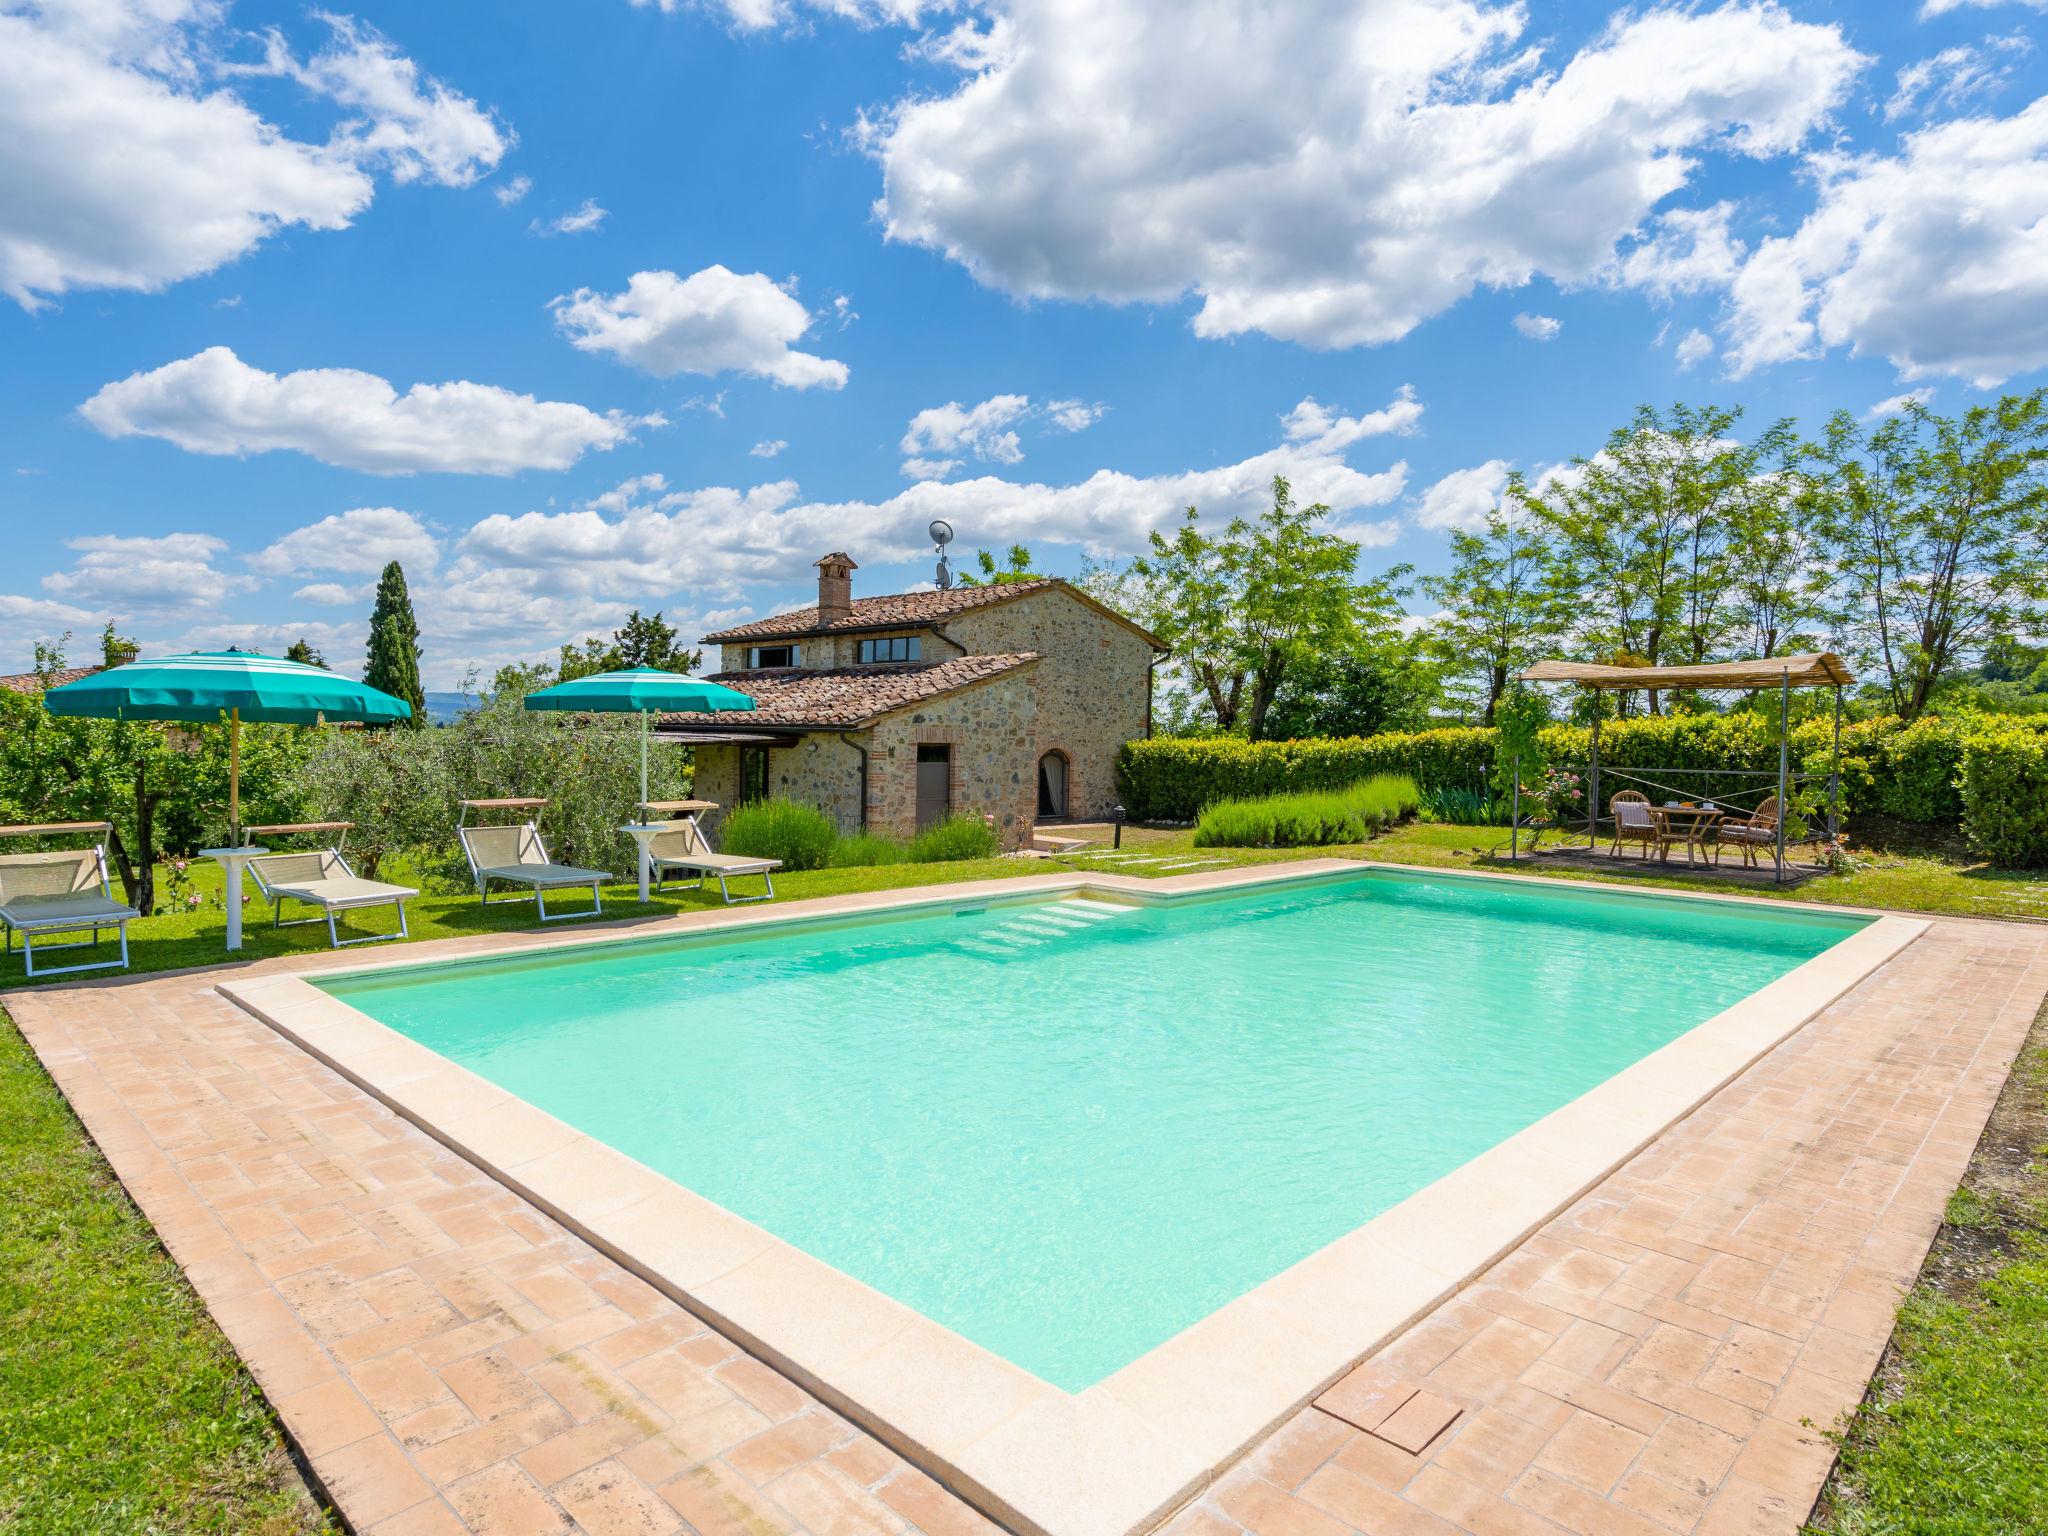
(516, 856)
(63, 891)
(323, 878)
(685, 849)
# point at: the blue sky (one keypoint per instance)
(580, 308)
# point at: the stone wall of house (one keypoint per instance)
(990, 728)
(843, 650)
(1093, 685)
(822, 769)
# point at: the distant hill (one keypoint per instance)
(444, 707)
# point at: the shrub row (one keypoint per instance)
(804, 837)
(1309, 819)
(2005, 796)
(1914, 772)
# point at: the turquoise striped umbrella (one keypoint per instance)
(226, 685)
(641, 691)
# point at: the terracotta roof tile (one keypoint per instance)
(843, 696)
(879, 612)
(30, 682)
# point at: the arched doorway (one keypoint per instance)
(1052, 786)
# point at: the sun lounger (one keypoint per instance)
(64, 891)
(516, 855)
(685, 849)
(323, 878)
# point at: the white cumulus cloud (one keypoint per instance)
(213, 402)
(987, 431)
(579, 220)
(1329, 172)
(1935, 258)
(713, 321)
(755, 15)
(1891, 405)
(1538, 327)
(769, 447)
(358, 542)
(148, 575)
(1695, 347)
(512, 191)
(1462, 498)
(128, 160)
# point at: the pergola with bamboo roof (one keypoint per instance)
(1817, 669)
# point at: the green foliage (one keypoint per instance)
(994, 575)
(164, 787)
(1519, 718)
(403, 794)
(954, 839)
(1241, 607)
(1503, 599)
(393, 663)
(116, 649)
(1931, 531)
(2005, 796)
(122, 1408)
(644, 640)
(802, 836)
(1348, 694)
(1309, 820)
(864, 850)
(1174, 778)
(1671, 530)
(301, 650)
(1465, 807)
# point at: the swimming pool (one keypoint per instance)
(1068, 1130)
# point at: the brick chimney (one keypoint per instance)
(835, 587)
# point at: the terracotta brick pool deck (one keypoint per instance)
(1653, 1360)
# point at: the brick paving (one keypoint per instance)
(448, 1359)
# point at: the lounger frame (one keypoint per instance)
(663, 863)
(539, 885)
(29, 927)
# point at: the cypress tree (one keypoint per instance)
(394, 656)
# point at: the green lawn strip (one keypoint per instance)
(122, 1407)
(1953, 1437)
(1914, 870)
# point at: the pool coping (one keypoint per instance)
(1122, 1455)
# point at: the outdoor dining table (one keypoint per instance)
(1688, 824)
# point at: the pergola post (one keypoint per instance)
(1835, 775)
(1593, 785)
(1784, 766)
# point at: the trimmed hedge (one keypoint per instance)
(1910, 772)
(2005, 796)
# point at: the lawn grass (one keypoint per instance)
(1900, 866)
(1953, 1436)
(122, 1408)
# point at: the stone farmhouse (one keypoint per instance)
(891, 713)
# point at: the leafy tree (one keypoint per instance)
(586, 660)
(394, 657)
(1353, 693)
(115, 649)
(1503, 607)
(993, 575)
(645, 640)
(1647, 525)
(1937, 535)
(1240, 608)
(301, 651)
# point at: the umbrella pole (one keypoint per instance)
(643, 757)
(234, 777)
(643, 814)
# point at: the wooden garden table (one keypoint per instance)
(1688, 824)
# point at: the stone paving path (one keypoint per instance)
(448, 1359)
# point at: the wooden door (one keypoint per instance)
(934, 784)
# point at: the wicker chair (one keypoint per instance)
(1633, 823)
(1760, 830)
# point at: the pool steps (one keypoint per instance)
(1033, 926)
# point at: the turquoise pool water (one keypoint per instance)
(1069, 1131)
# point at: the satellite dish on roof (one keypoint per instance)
(942, 535)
